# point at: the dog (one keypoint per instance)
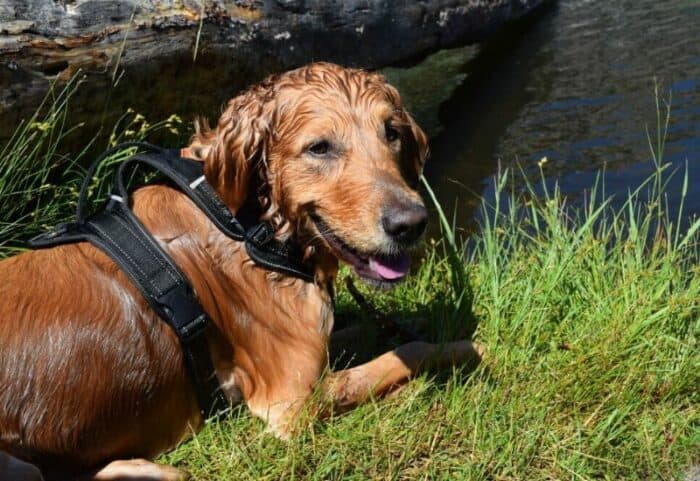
(93, 381)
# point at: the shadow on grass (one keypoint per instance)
(358, 338)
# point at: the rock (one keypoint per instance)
(43, 40)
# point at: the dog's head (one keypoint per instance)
(333, 158)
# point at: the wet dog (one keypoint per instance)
(93, 382)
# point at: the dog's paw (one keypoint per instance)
(480, 349)
(139, 469)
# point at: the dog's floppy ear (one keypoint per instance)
(420, 147)
(416, 146)
(234, 150)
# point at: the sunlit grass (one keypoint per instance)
(589, 314)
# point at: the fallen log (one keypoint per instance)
(156, 44)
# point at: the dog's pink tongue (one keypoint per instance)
(390, 268)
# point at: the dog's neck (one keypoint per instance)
(256, 312)
(249, 211)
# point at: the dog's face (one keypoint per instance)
(341, 160)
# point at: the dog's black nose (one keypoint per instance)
(404, 221)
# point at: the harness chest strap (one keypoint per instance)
(120, 235)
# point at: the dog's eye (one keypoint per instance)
(391, 133)
(319, 148)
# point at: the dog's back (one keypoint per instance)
(79, 351)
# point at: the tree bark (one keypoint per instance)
(42, 40)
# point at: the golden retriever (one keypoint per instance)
(93, 382)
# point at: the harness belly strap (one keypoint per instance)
(118, 233)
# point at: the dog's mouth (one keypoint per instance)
(380, 270)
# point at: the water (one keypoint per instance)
(575, 85)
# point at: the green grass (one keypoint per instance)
(39, 182)
(36, 181)
(590, 317)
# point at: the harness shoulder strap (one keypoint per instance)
(120, 235)
(188, 175)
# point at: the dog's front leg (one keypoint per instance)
(135, 470)
(349, 387)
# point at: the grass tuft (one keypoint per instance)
(39, 182)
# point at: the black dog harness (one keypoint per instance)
(118, 233)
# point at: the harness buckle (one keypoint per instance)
(60, 229)
(261, 234)
(184, 313)
(194, 328)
